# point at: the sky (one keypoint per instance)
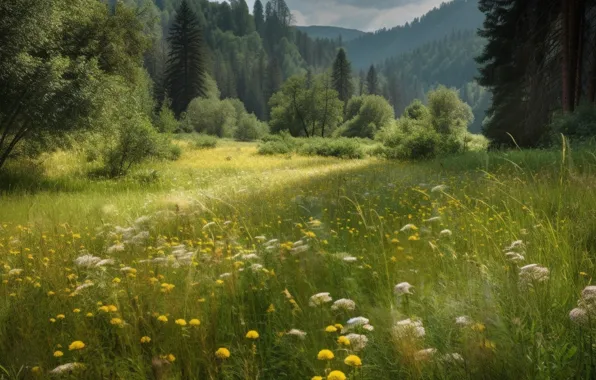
(366, 15)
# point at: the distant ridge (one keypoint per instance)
(331, 32)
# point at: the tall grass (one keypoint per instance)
(247, 240)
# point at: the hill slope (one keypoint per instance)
(331, 32)
(435, 25)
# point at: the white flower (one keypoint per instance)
(104, 262)
(126, 269)
(256, 267)
(357, 341)
(368, 327)
(515, 245)
(357, 321)
(272, 242)
(68, 367)
(514, 257)
(250, 256)
(402, 288)
(83, 286)
(425, 354)
(408, 328)
(452, 358)
(344, 304)
(208, 225)
(533, 273)
(446, 233)
(579, 316)
(409, 227)
(86, 261)
(319, 299)
(439, 188)
(295, 332)
(350, 259)
(299, 249)
(225, 275)
(140, 237)
(463, 321)
(142, 220)
(119, 247)
(260, 238)
(589, 294)
(15, 272)
(433, 219)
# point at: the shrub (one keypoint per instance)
(166, 121)
(274, 147)
(338, 147)
(204, 141)
(210, 116)
(365, 116)
(577, 125)
(249, 128)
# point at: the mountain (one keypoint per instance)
(449, 17)
(331, 32)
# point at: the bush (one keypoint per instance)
(210, 116)
(577, 125)
(204, 142)
(270, 148)
(365, 116)
(249, 128)
(337, 147)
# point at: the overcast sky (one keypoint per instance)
(366, 15)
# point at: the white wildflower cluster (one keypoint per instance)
(408, 227)
(179, 257)
(344, 304)
(87, 260)
(358, 342)
(83, 286)
(515, 252)
(445, 233)
(438, 189)
(67, 368)
(357, 323)
(15, 272)
(408, 329)
(425, 354)
(297, 333)
(319, 299)
(533, 273)
(433, 219)
(402, 288)
(585, 312)
(298, 247)
(271, 245)
(463, 321)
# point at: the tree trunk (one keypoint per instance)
(566, 98)
(579, 58)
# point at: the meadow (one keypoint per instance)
(230, 265)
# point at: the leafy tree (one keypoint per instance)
(449, 114)
(185, 75)
(249, 128)
(417, 111)
(259, 17)
(342, 76)
(166, 121)
(243, 22)
(372, 81)
(211, 116)
(365, 116)
(305, 110)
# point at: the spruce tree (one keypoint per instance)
(185, 74)
(342, 76)
(259, 16)
(372, 81)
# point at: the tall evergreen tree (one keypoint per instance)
(259, 17)
(372, 81)
(243, 22)
(342, 76)
(185, 74)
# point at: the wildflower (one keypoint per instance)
(252, 334)
(295, 332)
(106, 262)
(319, 299)
(514, 257)
(325, 355)
(344, 341)
(408, 328)
(353, 361)
(409, 227)
(336, 375)
(76, 310)
(344, 304)
(36, 369)
(116, 280)
(338, 326)
(58, 354)
(66, 368)
(452, 358)
(355, 322)
(402, 288)
(368, 327)
(357, 342)
(81, 287)
(533, 273)
(222, 353)
(180, 322)
(589, 294)
(433, 219)
(170, 357)
(117, 322)
(271, 309)
(194, 322)
(76, 345)
(51, 293)
(145, 339)
(60, 316)
(579, 316)
(463, 321)
(89, 315)
(479, 327)
(331, 329)
(162, 318)
(219, 282)
(317, 378)
(426, 354)
(438, 189)
(15, 272)
(112, 308)
(86, 261)
(515, 245)
(446, 233)
(105, 309)
(350, 259)
(167, 288)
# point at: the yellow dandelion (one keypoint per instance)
(89, 315)
(317, 378)
(219, 282)
(170, 357)
(252, 334)
(162, 318)
(331, 329)
(338, 326)
(58, 354)
(194, 322)
(325, 355)
(112, 308)
(145, 339)
(76, 310)
(336, 375)
(105, 309)
(50, 293)
(52, 320)
(117, 322)
(271, 309)
(60, 316)
(478, 327)
(353, 361)
(116, 280)
(36, 369)
(344, 341)
(222, 353)
(76, 345)
(180, 322)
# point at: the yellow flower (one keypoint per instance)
(219, 282)
(331, 329)
(194, 322)
(145, 339)
(105, 309)
(171, 358)
(478, 327)
(162, 318)
(271, 309)
(180, 322)
(76, 310)
(252, 334)
(52, 320)
(338, 326)
(76, 345)
(58, 354)
(36, 369)
(344, 341)
(117, 322)
(51, 293)
(166, 288)
(89, 315)
(116, 280)
(222, 353)
(112, 308)
(353, 361)
(336, 375)
(60, 316)
(325, 355)
(317, 378)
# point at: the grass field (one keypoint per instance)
(218, 265)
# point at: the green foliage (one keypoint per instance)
(166, 121)
(417, 111)
(342, 76)
(365, 116)
(185, 74)
(210, 116)
(449, 114)
(306, 109)
(578, 125)
(342, 147)
(202, 141)
(249, 128)
(372, 81)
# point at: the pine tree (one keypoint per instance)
(243, 23)
(185, 74)
(372, 81)
(259, 16)
(342, 76)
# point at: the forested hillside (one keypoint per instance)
(331, 32)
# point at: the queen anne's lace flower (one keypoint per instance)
(402, 288)
(319, 299)
(344, 304)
